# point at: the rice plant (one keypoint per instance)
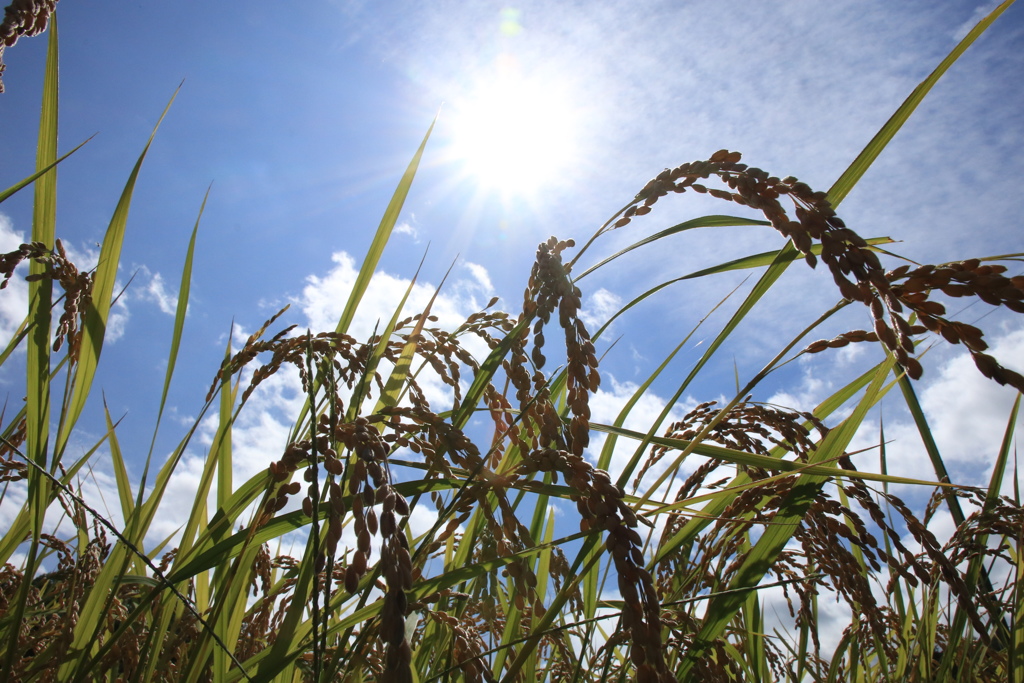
(654, 577)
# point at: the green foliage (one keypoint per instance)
(660, 582)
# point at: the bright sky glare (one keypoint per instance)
(515, 135)
(514, 128)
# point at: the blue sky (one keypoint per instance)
(303, 116)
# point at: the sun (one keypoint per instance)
(515, 135)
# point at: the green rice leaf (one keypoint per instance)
(398, 379)
(754, 460)
(124, 485)
(184, 288)
(713, 221)
(380, 239)
(95, 322)
(39, 173)
(40, 294)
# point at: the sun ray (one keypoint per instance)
(514, 134)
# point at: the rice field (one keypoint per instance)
(646, 575)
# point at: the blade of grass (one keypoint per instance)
(19, 336)
(218, 463)
(124, 485)
(380, 239)
(373, 254)
(713, 221)
(398, 379)
(543, 566)
(924, 430)
(22, 184)
(184, 288)
(37, 433)
(95, 319)
(604, 460)
(747, 262)
(754, 638)
(1015, 656)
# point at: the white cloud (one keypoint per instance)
(117, 321)
(967, 411)
(85, 258)
(156, 291)
(406, 228)
(599, 308)
(10, 238)
(14, 297)
(479, 274)
(324, 298)
(967, 415)
(804, 397)
(832, 616)
(14, 498)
